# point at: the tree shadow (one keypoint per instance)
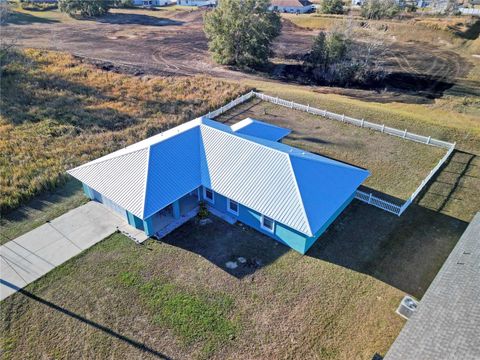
(20, 18)
(137, 19)
(221, 243)
(140, 346)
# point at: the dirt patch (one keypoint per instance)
(173, 43)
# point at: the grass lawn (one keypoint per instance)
(177, 298)
(397, 166)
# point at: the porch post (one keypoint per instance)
(176, 209)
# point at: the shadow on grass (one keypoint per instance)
(220, 243)
(89, 322)
(405, 252)
(20, 18)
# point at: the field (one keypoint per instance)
(57, 112)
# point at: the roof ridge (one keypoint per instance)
(299, 194)
(147, 168)
(104, 158)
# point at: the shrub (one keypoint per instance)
(83, 7)
(240, 33)
(379, 9)
(38, 6)
(332, 7)
(122, 3)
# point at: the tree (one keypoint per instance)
(327, 50)
(378, 9)
(122, 3)
(240, 33)
(332, 6)
(84, 7)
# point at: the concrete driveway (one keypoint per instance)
(32, 255)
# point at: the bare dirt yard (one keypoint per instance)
(397, 166)
(172, 42)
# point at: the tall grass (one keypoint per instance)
(57, 112)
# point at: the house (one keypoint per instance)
(291, 6)
(150, 3)
(239, 171)
(197, 2)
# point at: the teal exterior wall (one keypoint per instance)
(88, 192)
(282, 233)
(136, 222)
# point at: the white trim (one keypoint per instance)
(211, 201)
(272, 230)
(229, 209)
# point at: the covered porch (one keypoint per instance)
(173, 215)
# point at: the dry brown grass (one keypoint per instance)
(57, 112)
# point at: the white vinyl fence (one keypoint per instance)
(469, 11)
(368, 198)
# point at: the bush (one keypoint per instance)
(379, 9)
(334, 60)
(332, 7)
(122, 3)
(83, 7)
(38, 6)
(241, 33)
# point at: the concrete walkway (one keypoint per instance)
(35, 253)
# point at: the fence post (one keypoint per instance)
(383, 127)
(325, 113)
(428, 140)
(308, 108)
(369, 198)
(405, 133)
(362, 122)
(343, 118)
(276, 101)
(291, 104)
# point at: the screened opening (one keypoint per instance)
(208, 195)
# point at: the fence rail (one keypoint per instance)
(368, 198)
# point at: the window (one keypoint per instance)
(267, 223)
(208, 195)
(232, 206)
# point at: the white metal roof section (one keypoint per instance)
(121, 179)
(260, 129)
(254, 175)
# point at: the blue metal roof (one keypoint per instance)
(296, 188)
(260, 129)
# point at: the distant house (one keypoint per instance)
(238, 171)
(292, 6)
(149, 3)
(197, 2)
